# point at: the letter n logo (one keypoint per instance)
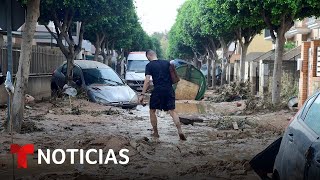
(22, 152)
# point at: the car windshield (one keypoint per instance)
(101, 76)
(138, 66)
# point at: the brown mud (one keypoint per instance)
(213, 150)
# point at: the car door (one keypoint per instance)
(313, 167)
(297, 140)
(312, 119)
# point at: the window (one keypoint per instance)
(76, 71)
(138, 66)
(312, 118)
(102, 76)
(306, 107)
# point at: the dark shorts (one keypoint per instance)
(163, 100)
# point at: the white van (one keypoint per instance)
(135, 71)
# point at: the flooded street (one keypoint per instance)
(213, 150)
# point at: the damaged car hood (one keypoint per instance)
(112, 94)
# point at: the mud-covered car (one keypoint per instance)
(299, 153)
(101, 83)
(296, 155)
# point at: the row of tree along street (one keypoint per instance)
(108, 24)
(204, 26)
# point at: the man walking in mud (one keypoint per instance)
(163, 95)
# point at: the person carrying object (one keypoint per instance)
(163, 95)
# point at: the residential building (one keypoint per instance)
(43, 38)
(309, 67)
(305, 30)
(258, 46)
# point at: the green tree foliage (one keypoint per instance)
(279, 17)
(176, 47)
(114, 27)
(215, 23)
(141, 40)
(157, 46)
(163, 40)
(64, 14)
(238, 22)
(185, 38)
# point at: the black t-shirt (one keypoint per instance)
(159, 70)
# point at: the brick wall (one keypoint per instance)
(303, 85)
(309, 82)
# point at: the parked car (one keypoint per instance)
(296, 155)
(135, 70)
(179, 62)
(299, 153)
(102, 84)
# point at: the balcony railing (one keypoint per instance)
(299, 27)
(313, 23)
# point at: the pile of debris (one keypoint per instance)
(229, 123)
(257, 104)
(30, 127)
(234, 91)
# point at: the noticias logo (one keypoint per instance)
(49, 156)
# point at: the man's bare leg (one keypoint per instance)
(153, 119)
(176, 121)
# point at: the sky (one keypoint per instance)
(157, 15)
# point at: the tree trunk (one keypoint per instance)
(244, 50)
(197, 62)
(97, 51)
(97, 45)
(223, 72)
(224, 62)
(119, 62)
(103, 52)
(24, 64)
(70, 62)
(214, 66)
(1, 40)
(277, 71)
(109, 57)
(209, 67)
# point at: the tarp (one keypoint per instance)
(193, 75)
